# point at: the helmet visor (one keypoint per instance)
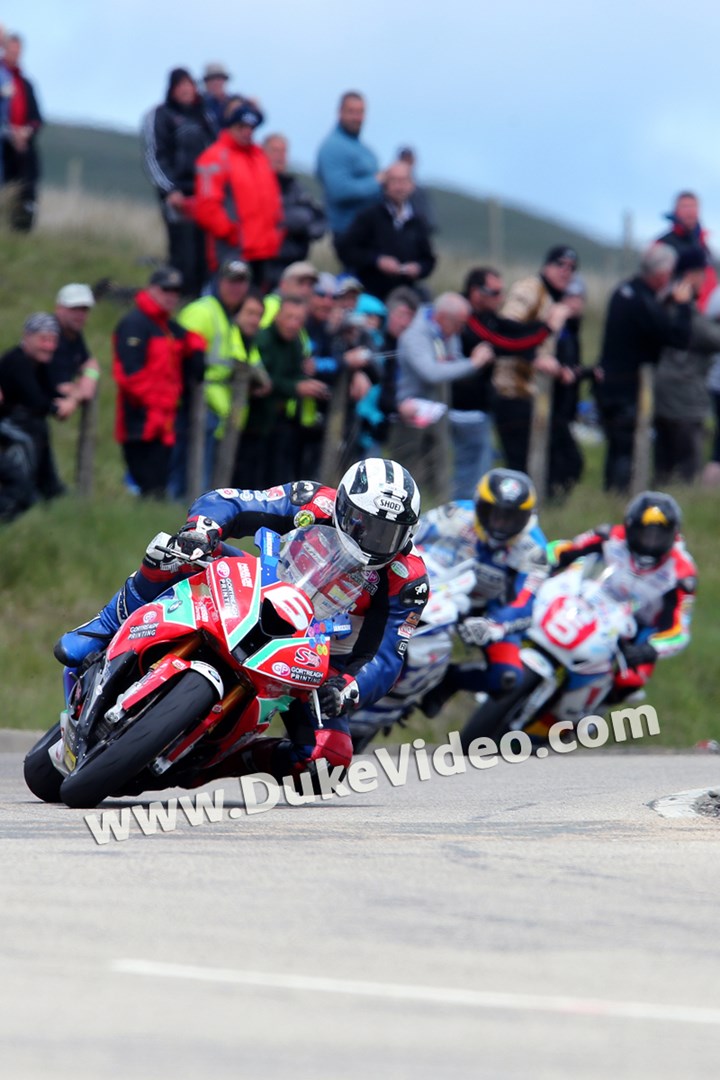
(501, 523)
(379, 538)
(651, 541)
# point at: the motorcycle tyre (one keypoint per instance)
(188, 700)
(41, 776)
(490, 720)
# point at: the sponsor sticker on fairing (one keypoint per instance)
(281, 669)
(149, 616)
(142, 632)
(305, 655)
(245, 575)
(302, 676)
(222, 569)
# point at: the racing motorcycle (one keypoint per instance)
(571, 652)
(429, 649)
(196, 674)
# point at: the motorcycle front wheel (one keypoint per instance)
(41, 776)
(115, 763)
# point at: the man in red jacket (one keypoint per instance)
(153, 357)
(238, 200)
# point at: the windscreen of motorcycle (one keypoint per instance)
(314, 560)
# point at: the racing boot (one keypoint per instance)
(76, 645)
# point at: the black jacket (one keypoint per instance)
(372, 233)
(637, 328)
(303, 219)
(173, 138)
(23, 391)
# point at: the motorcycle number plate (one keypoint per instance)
(568, 627)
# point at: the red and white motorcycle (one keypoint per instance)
(571, 652)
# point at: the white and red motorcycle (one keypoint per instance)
(571, 652)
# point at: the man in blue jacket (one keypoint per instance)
(346, 168)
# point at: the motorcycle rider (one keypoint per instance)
(654, 569)
(375, 510)
(502, 533)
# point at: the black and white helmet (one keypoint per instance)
(377, 507)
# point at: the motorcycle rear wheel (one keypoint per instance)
(41, 776)
(492, 719)
(189, 699)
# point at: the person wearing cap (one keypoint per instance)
(682, 397)
(388, 244)
(215, 78)
(174, 134)
(532, 299)
(639, 324)
(347, 292)
(26, 400)
(153, 359)
(238, 201)
(346, 168)
(213, 318)
(73, 372)
(303, 217)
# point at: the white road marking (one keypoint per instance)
(679, 805)
(473, 999)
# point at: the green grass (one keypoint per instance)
(61, 562)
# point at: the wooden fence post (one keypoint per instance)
(334, 450)
(85, 459)
(226, 451)
(539, 443)
(641, 470)
(197, 410)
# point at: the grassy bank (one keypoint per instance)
(60, 562)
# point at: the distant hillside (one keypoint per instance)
(106, 162)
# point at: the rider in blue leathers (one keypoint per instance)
(499, 529)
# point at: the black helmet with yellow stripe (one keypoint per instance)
(504, 503)
(652, 521)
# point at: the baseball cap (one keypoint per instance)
(215, 71)
(75, 295)
(560, 252)
(167, 277)
(242, 112)
(41, 323)
(348, 284)
(235, 270)
(299, 270)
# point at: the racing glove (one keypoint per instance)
(338, 695)
(197, 539)
(638, 652)
(480, 631)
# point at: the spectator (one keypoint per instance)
(638, 325)
(347, 293)
(238, 196)
(303, 216)
(17, 471)
(174, 136)
(420, 199)
(153, 358)
(686, 234)
(529, 300)
(319, 325)
(297, 280)
(354, 350)
(25, 400)
(21, 162)
(346, 168)
(429, 358)
(73, 372)
(388, 244)
(269, 449)
(215, 96)
(711, 472)
(682, 398)
(402, 305)
(213, 318)
(565, 465)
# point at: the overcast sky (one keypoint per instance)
(582, 109)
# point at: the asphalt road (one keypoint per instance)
(528, 921)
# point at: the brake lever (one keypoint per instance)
(201, 561)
